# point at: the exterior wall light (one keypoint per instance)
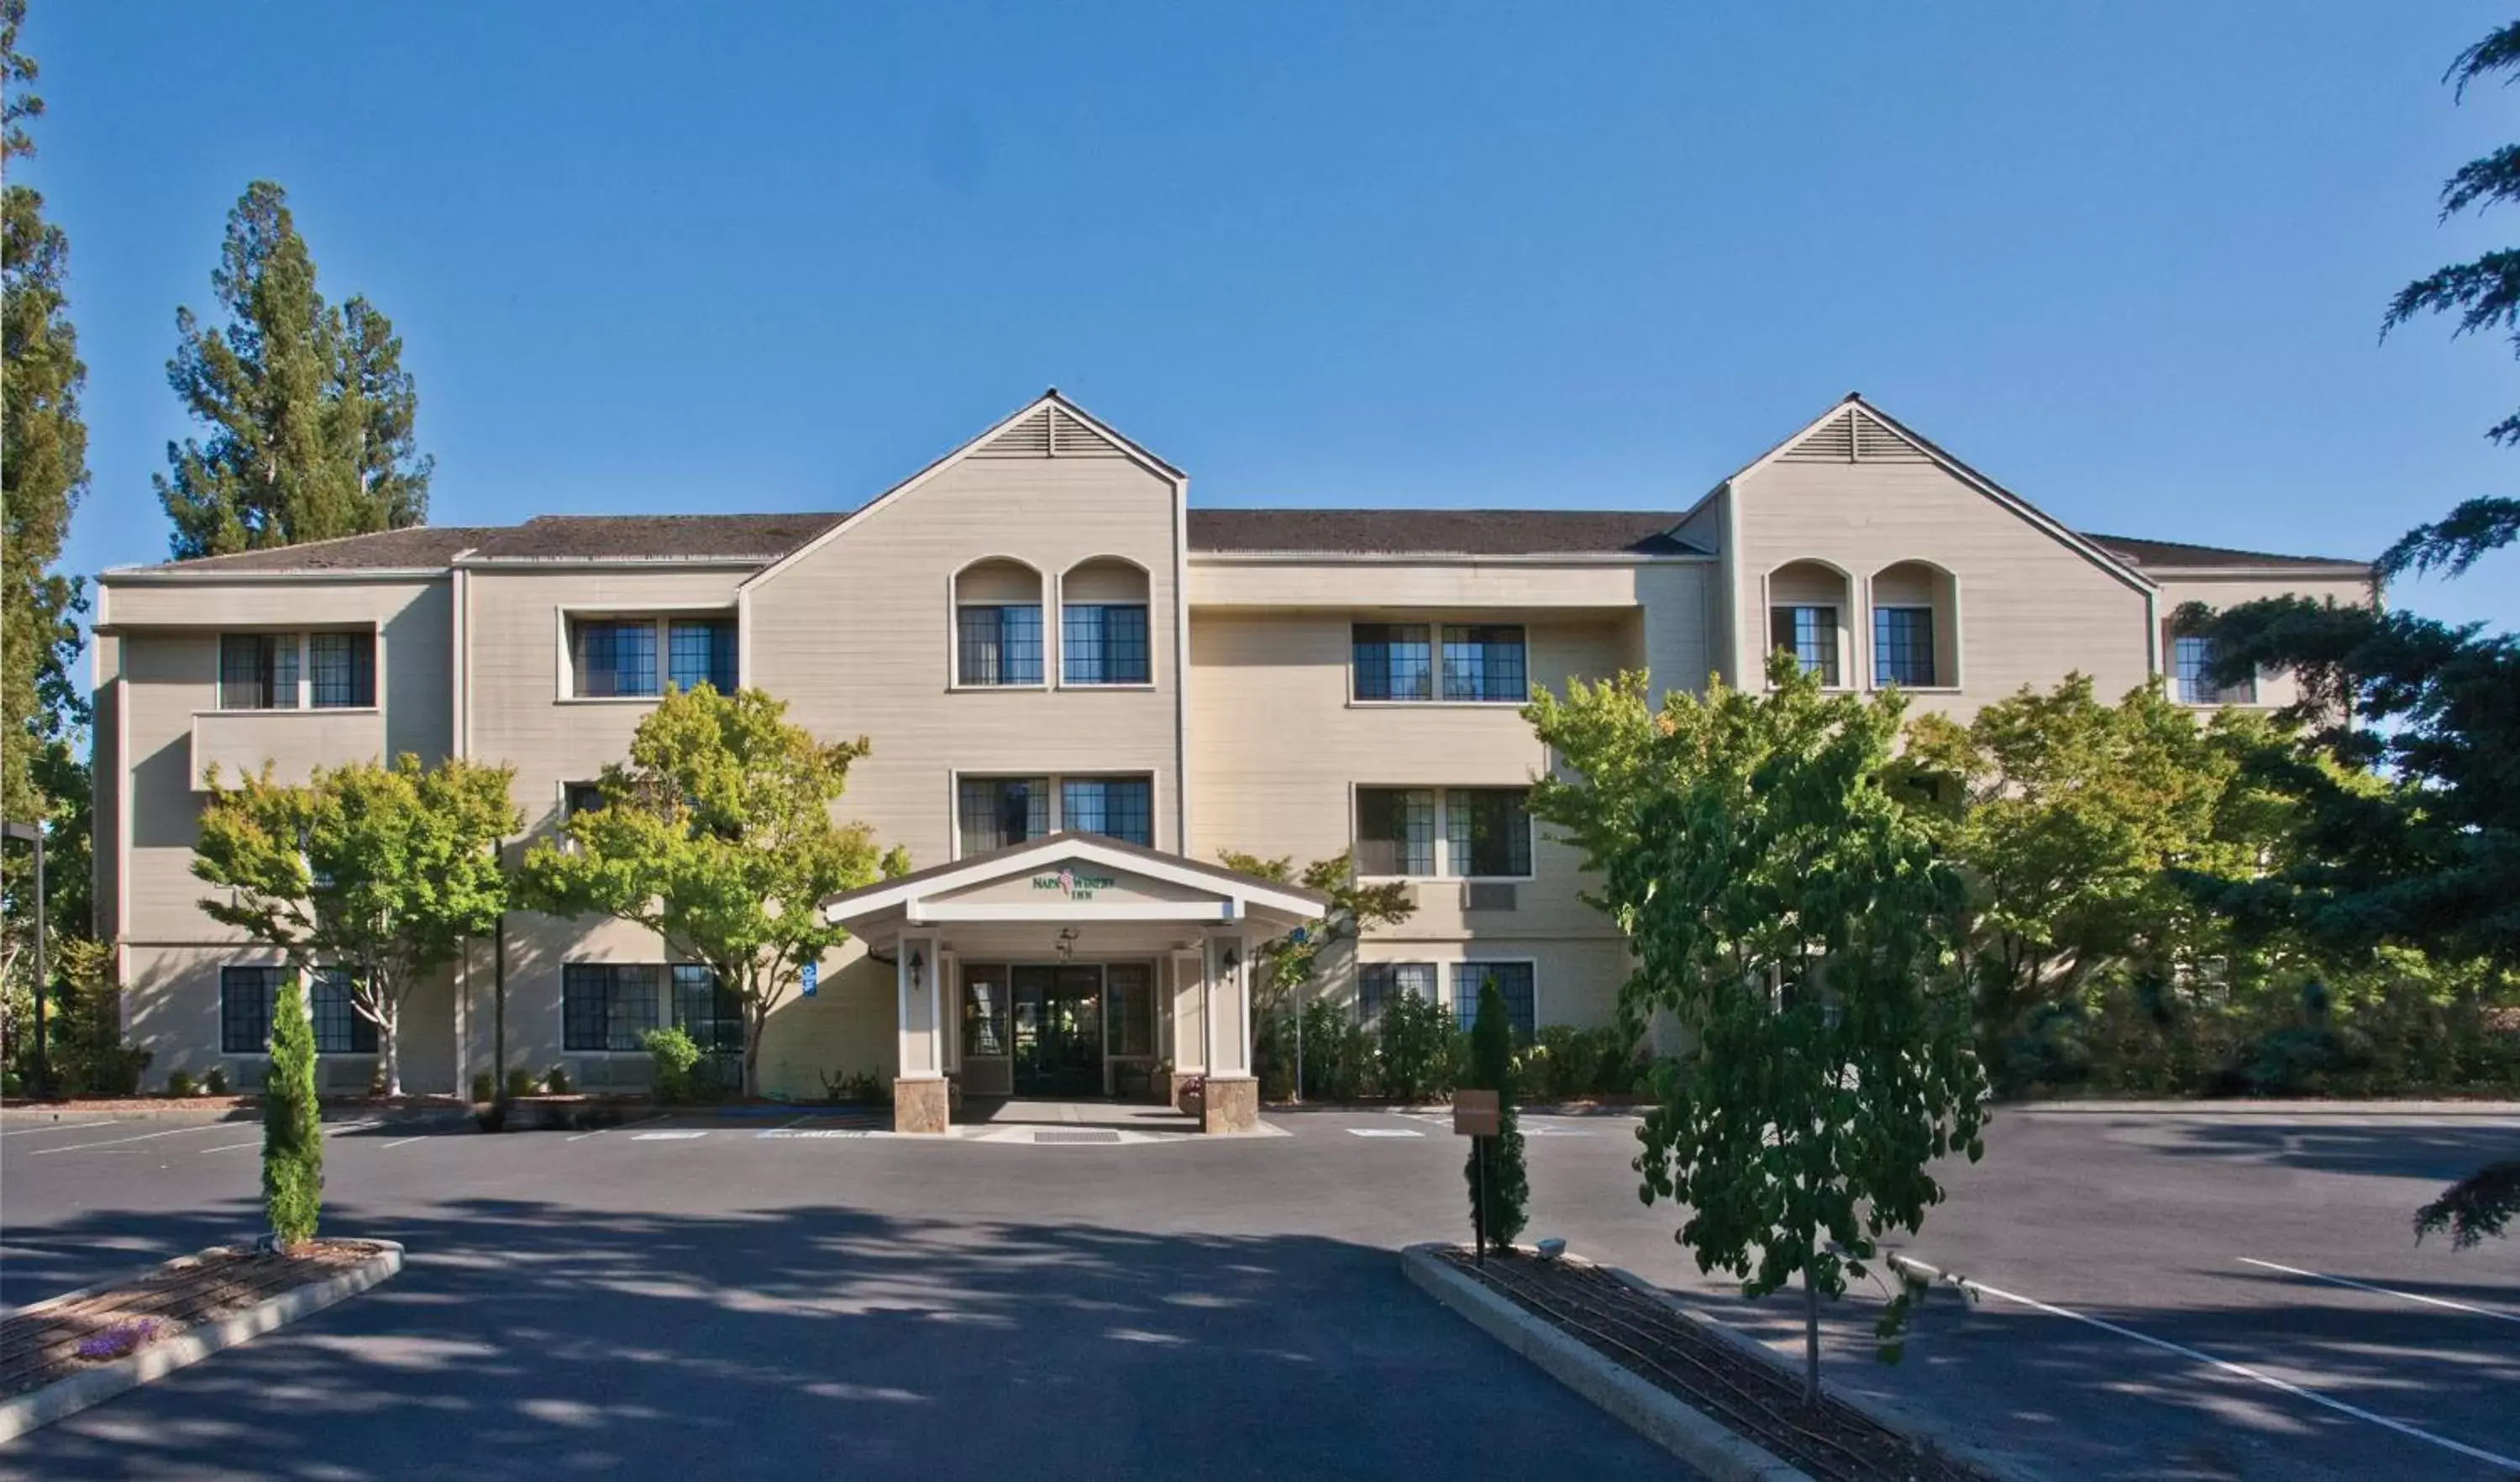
(917, 968)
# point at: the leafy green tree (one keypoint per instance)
(310, 411)
(382, 872)
(1282, 965)
(292, 1124)
(717, 835)
(43, 475)
(1500, 1190)
(1789, 911)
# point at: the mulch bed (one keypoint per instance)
(1755, 1399)
(46, 1342)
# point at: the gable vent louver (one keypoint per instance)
(1029, 438)
(1875, 443)
(1832, 441)
(1071, 438)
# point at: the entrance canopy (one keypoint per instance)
(1074, 892)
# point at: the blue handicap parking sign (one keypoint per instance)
(813, 977)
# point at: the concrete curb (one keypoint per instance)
(2243, 1107)
(68, 1396)
(1696, 1439)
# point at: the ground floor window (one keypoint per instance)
(339, 1027)
(984, 1013)
(1378, 983)
(707, 1011)
(245, 1007)
(1129, 1009)
(1512, 980)
(607, 1006)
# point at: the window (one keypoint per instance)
(259, 671)
(711, 1013)
(1393, 661)
(605, 1006)
(1487, 831)
(1395, 830)
(2192, 662)
(1104, 644)
(614, 656)
(998, 811)
(1485, 664)
(1129, 1015)
(342, 668)
(1810, 634)
(580, 797)
(1903, 646)
(1121, 808)
(245, 1007)
(1512, 980)
(1378, 983)
(1000, 645)
(984, 1013)
(339, 1027)
(701, 652)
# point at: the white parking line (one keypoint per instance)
(2220, 1366)
(1385, 1132)
(330, 1131)
(405, 1143)
(141, 1137)
(2411, 1296)
(24, 1132)
(668, 1136)
(580, 1137)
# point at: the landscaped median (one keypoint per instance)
(1715, 1399)
(82, 1348)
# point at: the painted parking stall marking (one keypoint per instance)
(1385, 1132)
(171, 1132)
(682, 1134)
(2386, 1291)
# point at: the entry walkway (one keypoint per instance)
(1080, 1123)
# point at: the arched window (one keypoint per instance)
(1916, 626)
(1102, 630)
(1807, 606)
(997, 624)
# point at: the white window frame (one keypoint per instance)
(1058, 653)
(1435, 698)
(306, 687)
(1045, 589)
(1443, 850)
(1445, 985)
(1056, 781)
(663, 615)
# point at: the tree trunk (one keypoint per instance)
(754, 1020)
(390, 1041)
(1811, 1337)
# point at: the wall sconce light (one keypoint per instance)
(917, 968)
(1233, 960)
(1066, 942)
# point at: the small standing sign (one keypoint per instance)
(1478, 1115)
(811, 977)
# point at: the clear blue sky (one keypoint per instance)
(2127, 258)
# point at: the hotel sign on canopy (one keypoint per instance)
(1075, 886)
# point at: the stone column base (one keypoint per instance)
(921, 1106)
(1185, 1093)
(1232, 1104)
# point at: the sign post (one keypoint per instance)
(1478, 1115)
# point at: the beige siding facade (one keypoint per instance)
(1245, 726)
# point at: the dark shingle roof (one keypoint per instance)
(1439, 532)
(420, 547)
(2140, 554)
(638, 537)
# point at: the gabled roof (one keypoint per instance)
(651, 537)
(418, 548)
(1070, 844)
(1438, 532)
(2174, 555)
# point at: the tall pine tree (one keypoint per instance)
(310, 411)
(43, 472)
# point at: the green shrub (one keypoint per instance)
(485, 1089)
(1417, 1048)
(1500, 1189)
(852, 1087)
(558, 1080)
(674, 1055)
(293, 1133)
(521, 1082)
(10, 1086)
(716, 1078)
(216, 1083)
(179, 1084)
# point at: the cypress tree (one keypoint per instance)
(293, 1131)
(1507, 1188)
(309, 409)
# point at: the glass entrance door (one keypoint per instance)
(1058, 1030)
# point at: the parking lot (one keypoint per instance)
(2188, 1295)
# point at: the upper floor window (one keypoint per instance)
(260, 671)
(614, 656)
(997, 624)
(1481, 663)
(1903, 646)
(1120, 807)
(342, 670)
(2192, 666)
(1810, 634)
(998, 811)
(700, 650)
(1485, 663)
(1485, 832)
(1104, 644)
(1394, 662)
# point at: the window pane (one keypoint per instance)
(1484, 664)
(1810, 634)
(245, 1009)
(339, 1027)
(1377, 982)
(1395, 830)
(615, 658)
(1104, 645)
(701, 652)
(1902, 646)
(1512, 980)
(1393, 661)
(998, 811)
(1121, 808)
(1489, 832)
(259, 671)
(341, 669)
(2192, 666)
(984, 1012)
(1129, 1017)
(1000, 645)
(607, 1006)
(712, 1014)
